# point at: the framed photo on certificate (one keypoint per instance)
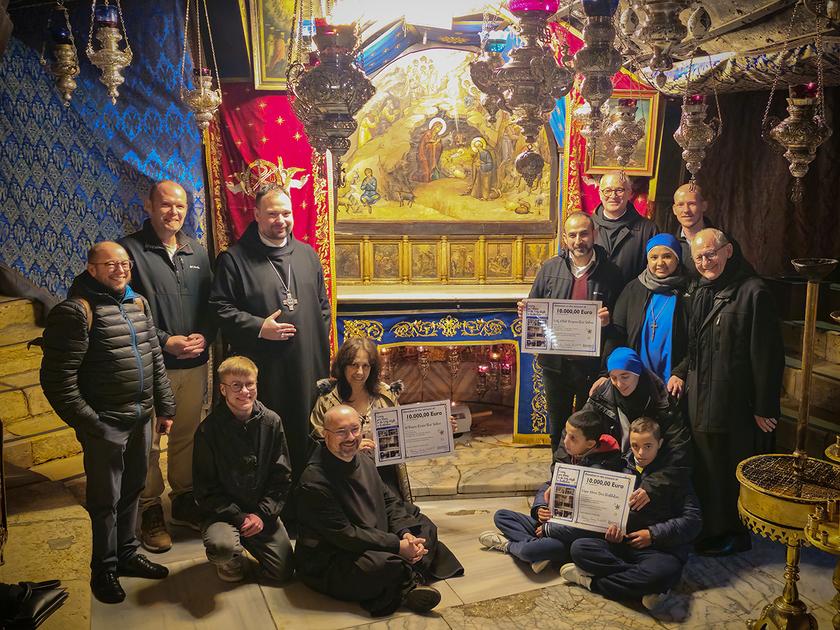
(567, 327)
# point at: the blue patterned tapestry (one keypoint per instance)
(464, 328)
(72, 176)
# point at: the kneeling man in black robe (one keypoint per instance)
(358, 541)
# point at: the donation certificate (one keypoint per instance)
(410, 432)
(568, 327)
(590, 498)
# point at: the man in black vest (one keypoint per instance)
(103, 374)
(620, 229)
(172, 271)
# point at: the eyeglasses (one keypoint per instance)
(346, 432)
(112, 265)
(238, 387)
(612, 192)
(709, 256)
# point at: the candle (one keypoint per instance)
(534, 5)
(106, 15)
(807, 90)
(697, 98)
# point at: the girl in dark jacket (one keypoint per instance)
(651, 314)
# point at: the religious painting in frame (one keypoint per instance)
(642, 163)
(426, 159)
(386, 262)
(499, 260)
(424, 262)
(535, 254)
(463, 261)
(348, 261)
(271, 35)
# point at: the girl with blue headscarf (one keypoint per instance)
(650, 315)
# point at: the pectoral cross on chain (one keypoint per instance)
(653, 327)
(290, 302)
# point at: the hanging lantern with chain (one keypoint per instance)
(109, 58)
(65, 68)
(799, 135)
(623, 131)
(203, 100)
(695, 134)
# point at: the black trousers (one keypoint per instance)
(565, 392)
(115, 461)
(621, 573)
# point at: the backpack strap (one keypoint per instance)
(88, 311)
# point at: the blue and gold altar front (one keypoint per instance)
(471, 326)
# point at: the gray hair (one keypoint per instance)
(719, 237)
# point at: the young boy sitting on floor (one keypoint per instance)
(531, 538)
(648, 561)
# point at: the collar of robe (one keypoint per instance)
(338, 465)
(251, 240)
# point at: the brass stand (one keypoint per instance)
(787, 611)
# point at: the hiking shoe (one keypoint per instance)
(653, 601)
(572, 574)
(422, 599)
(231, 571)
(494, 541)
(185, 512)
(540, 565)
(153, 534)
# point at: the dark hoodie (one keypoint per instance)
(112, 372)
(624, 239)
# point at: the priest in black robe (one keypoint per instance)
(357, 540)
(271, 304)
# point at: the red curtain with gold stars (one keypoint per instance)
(256, 140)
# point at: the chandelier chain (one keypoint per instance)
(788, 35)
(184, 51)
(212, 48)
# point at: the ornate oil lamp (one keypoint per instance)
(65, 67)
(695, 134)
(623, 132)
(109, 58)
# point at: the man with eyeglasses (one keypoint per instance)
(172, 271)
(357, 542)
(733, 382)
(241, 479)
(620, 229)
(103, 374)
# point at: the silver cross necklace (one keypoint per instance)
(290, 301)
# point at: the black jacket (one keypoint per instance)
(673, 516)
(675, 454)
(629, 317)
(736, 355)
(555, 281)
(113, 373)
(177, 289)
(625, 240)
(241, 468)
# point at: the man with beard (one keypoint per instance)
(581, 271)
(358, 542)
(735, 364)
(271, 304)
(620, 229)
(690, 209)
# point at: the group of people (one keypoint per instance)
(687, 386)
(691, 373)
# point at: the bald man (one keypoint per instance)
(690, 209)
(620, 229)
(733, 383)
(581, 271)
(172, 271)
(358, 541)
(103, 374)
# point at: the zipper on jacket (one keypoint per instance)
(136, 351)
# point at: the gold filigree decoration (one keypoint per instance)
(516, 327)
(482, 328)
(771, 531)
(449, 326)
(417, 328)
(261, 173)
(539, 407)
(363, 328)
(221, 226)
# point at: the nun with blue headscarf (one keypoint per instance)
(651, 315)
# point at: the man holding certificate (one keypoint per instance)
(581, 271)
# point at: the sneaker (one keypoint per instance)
(140, 566)
(573, 575)
(494, 541)
(185, 512)
(655, 600)
(540, 566)
(153, 534)
(106, 588)
(231, 571)
(422, 599)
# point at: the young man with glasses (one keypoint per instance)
(620, 229)
(103, 374)
(241, 479)
(172, 271)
